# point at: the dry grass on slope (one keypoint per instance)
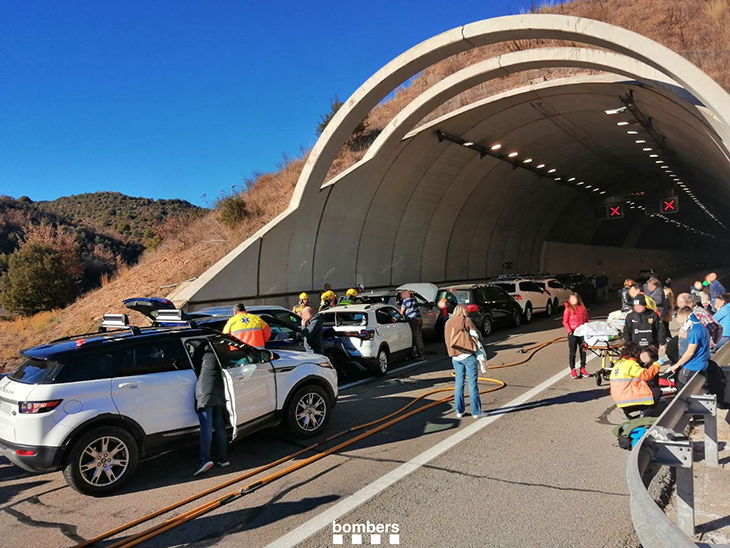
(698, 29)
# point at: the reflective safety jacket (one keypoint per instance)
(628, 383)
(248, 328)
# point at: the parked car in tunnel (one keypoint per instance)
(558, 292)
(488, 305)
(580, 284)
(528, 294)
(424, 293)
(374, 334)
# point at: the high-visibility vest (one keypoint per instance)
(628, 383)
(248, 328)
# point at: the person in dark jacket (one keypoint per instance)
(625, 297)
(210, 404)
(653, 288)
(643, 326)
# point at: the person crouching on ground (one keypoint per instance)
(210, 405)
(630, 387)
(575, 315)
(463, 344)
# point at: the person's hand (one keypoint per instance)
(663, 349)
(674, 368)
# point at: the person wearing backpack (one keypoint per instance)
(464, 345)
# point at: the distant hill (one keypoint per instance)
(113, 213)
(111, 229)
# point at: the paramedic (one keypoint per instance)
(629, 387)
(247, 328)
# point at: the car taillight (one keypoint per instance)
(367, 334)
(517, 297)
(472, 308)
(25, 453)
(34, 407)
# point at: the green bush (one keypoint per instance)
(232, 210)
(37, 279)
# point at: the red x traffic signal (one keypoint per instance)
(669, 205)
(615, 211)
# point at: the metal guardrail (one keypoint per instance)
(652, 525)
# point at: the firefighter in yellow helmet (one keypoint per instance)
(327, 299)
(349, 298)
(303, 303)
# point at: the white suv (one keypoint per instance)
(94, 404)
(557, 291)
(530, 296)
(374, 334)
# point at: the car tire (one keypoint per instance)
(382, 362)
(527, 316)
(486, 327)
(91, 460)
(556, 304)
(549, 308)
(517, 318)
(339, 360)
(308, 411)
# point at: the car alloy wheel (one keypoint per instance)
(528, 313)
(311, 411)
(549, 308)
(104, 461)
(383, 361)
(486, 326)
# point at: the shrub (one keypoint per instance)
(232, 210)
(37, 279)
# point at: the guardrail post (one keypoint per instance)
(706, 405)
(678, 455)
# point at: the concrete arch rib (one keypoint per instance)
(555, 27)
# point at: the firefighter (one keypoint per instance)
(349, 298)
(326, 300)
(303, 303)
(247, 328)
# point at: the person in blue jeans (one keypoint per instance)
(210, 405)
(464, 352)
(694, 347)
(722, 316)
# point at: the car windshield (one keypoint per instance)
(339, 319)
(215, 311)
(458, 296)
(35, 371)
(507, 286)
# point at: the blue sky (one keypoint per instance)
(177, 99)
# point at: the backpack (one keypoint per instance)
(629, 432)
(716, 381)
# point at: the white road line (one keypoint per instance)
(306, 530)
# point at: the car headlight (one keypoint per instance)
(326, 364)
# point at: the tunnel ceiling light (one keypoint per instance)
(603, 192)
(553, 170)
(571, 179)
(468, 144)
(632, 132)
(615, 110)
(659, 162)
(653, 156)
(527, 161)
(647, 149)
(541, 166)
(622, 124)
(558, 178)
(495, 146)
(512, 154)
(596, 190)
(580, 183)
(588, 186)
(640, 141)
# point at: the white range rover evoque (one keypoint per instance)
(93, 405)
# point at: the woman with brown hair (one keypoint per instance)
(575, 315)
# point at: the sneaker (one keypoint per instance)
(203, 468)
(223, 464)
(459, 415)
(584, 372)
(574, 374)
(482, 414)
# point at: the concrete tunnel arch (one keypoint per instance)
(282, 258)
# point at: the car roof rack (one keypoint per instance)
(117, 321)
(172, 317)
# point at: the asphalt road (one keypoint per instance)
(542, 470)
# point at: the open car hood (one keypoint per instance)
(426, 290)
(149, 305)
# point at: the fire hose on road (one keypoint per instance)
(377, 426)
